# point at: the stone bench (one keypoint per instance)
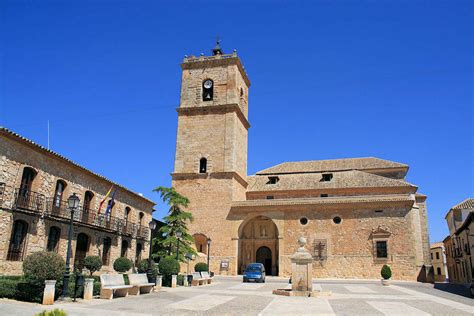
(197, 279)
(140, 284)
(207, 278)
(113, 284)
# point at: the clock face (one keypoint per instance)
(207, 84)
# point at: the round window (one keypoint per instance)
(303, 221)
(336, 220)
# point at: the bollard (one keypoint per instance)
(159, 280)
(48, 295)
(174, 279)
(88, 289)
(185, 280)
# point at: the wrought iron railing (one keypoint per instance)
(142, 232)
(128, 228)
(28, 200)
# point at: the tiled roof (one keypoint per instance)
(326, 200)
(368, 163)
(305, 181)
(467, 203)
(8, 132)
(437, 245)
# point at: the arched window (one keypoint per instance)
(203, 165)
(140, 218)
(58, 193)
(207, 90)
(88, 196)
(138, 253)
(17, 241)
(106, 251)
(127, 213)
(124, 249)
(24, 198)
(53, 239)
(200, 241)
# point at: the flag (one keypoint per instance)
(111, 203)
(105, 198)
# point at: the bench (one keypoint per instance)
(113, 284)
(197, 279)
(140, 284)
(207, 278)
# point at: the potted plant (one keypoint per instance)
(386, 273)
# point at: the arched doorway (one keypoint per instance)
(264, 256)
(258, 242)
(82, 246)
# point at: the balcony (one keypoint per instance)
(128, 228)
(142, 232)
(28, 200)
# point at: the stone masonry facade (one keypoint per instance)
(33, 209)
(357, 214)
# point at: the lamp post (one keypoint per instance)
(208, 253)
(149, 272)
(178, 236)
(73, 204)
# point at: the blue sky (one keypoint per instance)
(330, 79)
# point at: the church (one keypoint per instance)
(357, 214)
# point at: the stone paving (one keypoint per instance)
(229, 296)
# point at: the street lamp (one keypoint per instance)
(208, 252)
(72, 204)
(149, 272)
(178, 236)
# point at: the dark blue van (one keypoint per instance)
(254, 272)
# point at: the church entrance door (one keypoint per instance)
(264, 256)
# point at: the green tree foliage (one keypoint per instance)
(43, 265)
(176, 220)
(143, 267)
(122, 264)
(386, 272)
(54, 312)
(93, 263)
(200, 266)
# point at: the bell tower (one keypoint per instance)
(211, 147)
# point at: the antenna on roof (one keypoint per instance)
(48, 134)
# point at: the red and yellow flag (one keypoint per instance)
(105, 198)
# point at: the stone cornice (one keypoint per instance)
(215, 61)
(212, 175)
(215, 109)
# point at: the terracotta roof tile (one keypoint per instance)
(467, 203)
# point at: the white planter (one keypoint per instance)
(386, 282)
(48, 295)
(88, 289)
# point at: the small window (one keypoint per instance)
(324, 195)
(326, 177)
(337, 220)
(303, 221)
(203, 165)
(378, 211)
(270, 197)
(381, 247)
(241, 92)
(438, 270)
(431, 256)
(437, 255)
(273, 180)
(207, 90)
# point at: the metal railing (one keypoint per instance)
(28, 200)
(142, 232)
(128, 228)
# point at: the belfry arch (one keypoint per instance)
(258, 240)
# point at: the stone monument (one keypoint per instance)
(301, 274)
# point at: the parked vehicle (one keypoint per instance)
(254, 272)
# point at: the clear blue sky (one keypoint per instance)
(330, 79)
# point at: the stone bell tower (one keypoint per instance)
(211, 149)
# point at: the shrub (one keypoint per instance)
(386, 272)
(143, 267)
(200, 266)
(93, 263)
(43, 265)
(29, 292)
(54, 312)
(168, 266)
(8, 287)
(122, 264)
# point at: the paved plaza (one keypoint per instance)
(229, 296)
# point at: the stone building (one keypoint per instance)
(35, 184)
(460, 243)
(357, 214)
(438, 259)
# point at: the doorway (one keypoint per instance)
(264, 256)
(82, 246)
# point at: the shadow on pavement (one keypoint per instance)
(457, 289)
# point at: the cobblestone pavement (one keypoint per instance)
(229, 296)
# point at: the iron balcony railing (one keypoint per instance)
(142, 232)
(28, 200)
(128, 228)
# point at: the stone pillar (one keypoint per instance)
(48, 295)
(185, 280)
(88, 289)
(159, 281)
(302, 269)
(174, 280)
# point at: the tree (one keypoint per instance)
(93, 264)
(175, 221)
